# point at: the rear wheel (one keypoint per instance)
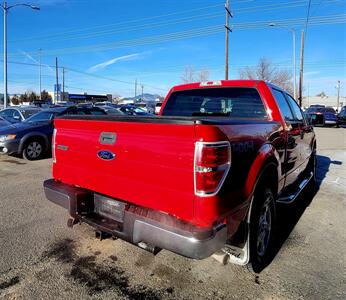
(262, 229)
(312, 166)
(33, 150)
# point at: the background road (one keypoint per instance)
(40, 258)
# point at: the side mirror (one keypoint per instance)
(288, 125)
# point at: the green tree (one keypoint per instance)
(32, 96)
(45, 96)
(15, 100)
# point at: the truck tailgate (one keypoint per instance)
(152, 166)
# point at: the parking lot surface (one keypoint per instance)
(40, 258)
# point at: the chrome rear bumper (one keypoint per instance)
(189, 241)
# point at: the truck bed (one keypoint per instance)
(154, 157)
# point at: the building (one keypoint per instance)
(79, 98)
(331, 101)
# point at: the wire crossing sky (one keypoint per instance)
(106, 45)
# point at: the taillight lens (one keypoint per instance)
(53, 145)
(212, 163)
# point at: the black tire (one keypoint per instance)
(312, 166)
(33, 149)
(262, 229)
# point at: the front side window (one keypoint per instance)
(16, 115)
(227, 102)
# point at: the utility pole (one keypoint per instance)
(57, 80)
(228, 29)
(294, 64)
(40, 50)
(300, 96)
(338, 96)
(5, 53)
(63, 84)
(135, 89)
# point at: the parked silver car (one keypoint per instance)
(18, 113)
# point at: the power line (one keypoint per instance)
(192, 33)
(84, 73)
(307, 18)
(118, 29)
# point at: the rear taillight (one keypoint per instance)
(212, 163)
(53, 145)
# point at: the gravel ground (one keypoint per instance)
(40, 258)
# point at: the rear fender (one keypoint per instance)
(266, 154)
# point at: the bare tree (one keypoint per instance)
(189, 75)
(266, 71)
(203, 75)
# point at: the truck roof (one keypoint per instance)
(217, 83)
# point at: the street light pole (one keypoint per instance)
(294, 56)
(5, 9)
(40, 74)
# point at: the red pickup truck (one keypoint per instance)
(203, 177)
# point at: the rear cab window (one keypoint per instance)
(230, 102)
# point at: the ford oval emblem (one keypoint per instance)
(106, 155)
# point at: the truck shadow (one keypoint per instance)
(288, 215)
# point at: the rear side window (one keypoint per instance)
(296, 108)
(229, 102)
(28, 113)
(330, 110)
(283, 105)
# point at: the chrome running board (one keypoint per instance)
(291, 198)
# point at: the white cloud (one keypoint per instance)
(112, 61)
(312, 73)
(27, 55)
(30, 57)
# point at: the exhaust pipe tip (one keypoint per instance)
(150, 248)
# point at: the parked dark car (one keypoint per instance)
(32, 137)
(133, 110)
(4, 122)
(322, 116)
(111, 110)
(18, 114)
(342, 116)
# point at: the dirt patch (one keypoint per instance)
(99, 278)
(113, 258)
(6, 284)
(96, 274)
(63, 251)
(12, 161)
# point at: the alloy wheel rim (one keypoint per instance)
(264, 228)
(34, 150)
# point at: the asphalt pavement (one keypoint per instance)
(40, 258)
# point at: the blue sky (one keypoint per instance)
(105, 45)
